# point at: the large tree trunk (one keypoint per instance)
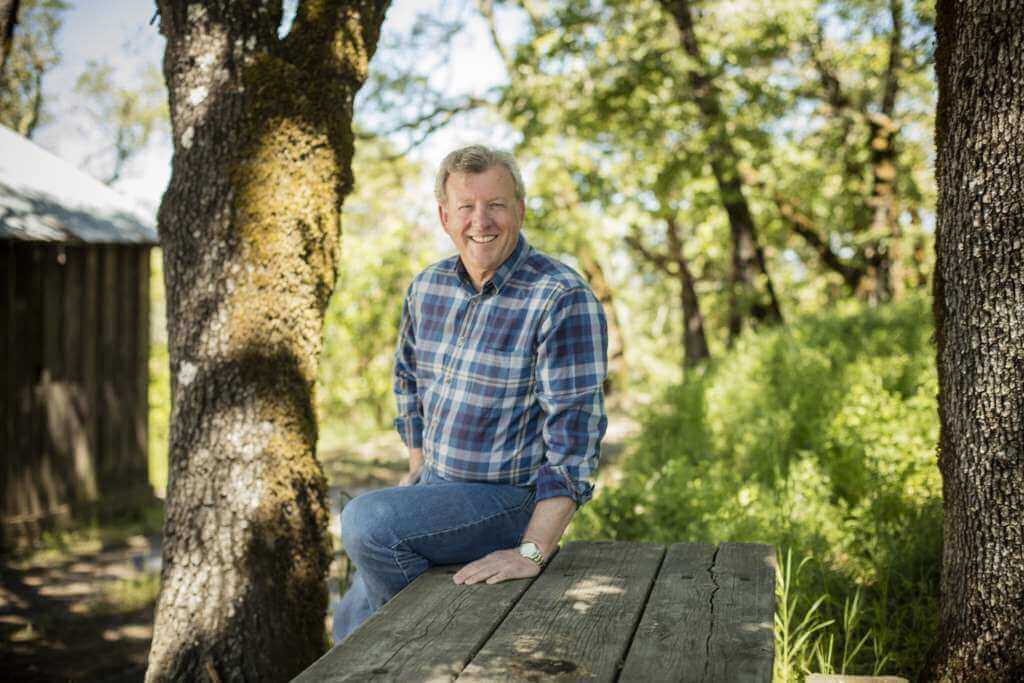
(979, 310)
(751, 293)
(8, 20)
(250, 227)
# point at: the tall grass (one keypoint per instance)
(820, 439)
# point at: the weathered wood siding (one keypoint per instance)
(73, 373)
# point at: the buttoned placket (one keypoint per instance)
(463, 334)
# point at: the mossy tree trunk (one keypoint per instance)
(979, 310)
(250, 227)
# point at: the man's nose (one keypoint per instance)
(480, 215)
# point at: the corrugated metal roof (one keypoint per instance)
(45, 199)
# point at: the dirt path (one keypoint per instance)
(85, 613)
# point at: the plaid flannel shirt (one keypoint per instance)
(504, 385)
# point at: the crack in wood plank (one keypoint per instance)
(711, 620)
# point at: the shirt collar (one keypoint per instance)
(505, 270)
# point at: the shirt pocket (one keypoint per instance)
(504, 376)
(506, 329)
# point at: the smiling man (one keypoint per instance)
(498, 374)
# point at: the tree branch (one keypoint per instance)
(804, 226)
(659, 261)
(487, 10)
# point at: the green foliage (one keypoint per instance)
(159, 377)
(384, 244)
(126, 595)
(126, 118)
(33, 53)
(820, 439)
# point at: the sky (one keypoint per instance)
(125, 35)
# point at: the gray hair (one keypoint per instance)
(477, 159)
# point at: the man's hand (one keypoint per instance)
(501, 565)
(415, 465)
(409, 478)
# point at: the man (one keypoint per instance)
(498, 373)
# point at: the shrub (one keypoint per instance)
(820, 439)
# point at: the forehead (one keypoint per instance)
(496, 181)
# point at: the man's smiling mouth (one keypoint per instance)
(483, 239)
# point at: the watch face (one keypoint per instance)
(531, 551)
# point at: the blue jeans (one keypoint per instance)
(393, 535)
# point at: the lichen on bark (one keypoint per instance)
(250, 226)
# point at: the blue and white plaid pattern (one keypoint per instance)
(504, 385)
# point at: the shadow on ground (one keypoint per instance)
(87, 615)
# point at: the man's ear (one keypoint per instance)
(443, 215)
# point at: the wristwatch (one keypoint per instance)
(531, 551)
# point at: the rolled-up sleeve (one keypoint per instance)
(409, 422)
(571, 369)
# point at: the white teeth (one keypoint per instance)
(484, 239)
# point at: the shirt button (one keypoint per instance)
(462, 340)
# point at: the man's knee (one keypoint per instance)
(366, 525)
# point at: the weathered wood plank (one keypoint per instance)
(109, 423)
(671, 641)
(577, 619)
(74, 317)
(742, 643)
(90, 358)
(428, 632)
(38, 474)
(54, 401)
(130, 462)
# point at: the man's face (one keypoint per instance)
(482, 217)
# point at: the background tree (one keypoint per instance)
(126, 118)
(32, 53)
(8, 20)
(250, 230)
(387, 241)
(979, 313)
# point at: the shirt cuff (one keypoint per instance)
(551, 483)
(410, 428)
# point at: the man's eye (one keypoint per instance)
(465, 207)
(497, 205)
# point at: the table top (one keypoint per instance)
(600, 610)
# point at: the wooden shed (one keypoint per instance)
(74, 344)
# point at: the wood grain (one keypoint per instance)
(672, 640)
(742, 643)
(577, 619)
(428, 632)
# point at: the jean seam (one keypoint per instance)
(512, 510)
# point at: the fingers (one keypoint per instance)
(495, 568)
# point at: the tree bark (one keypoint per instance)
(882, 202)
(751, 291)
(8, 20)
(675, 264)
(695, 342)
(617, 367)
(979, 311)
(250, 227)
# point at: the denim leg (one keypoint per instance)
(393, 535)
(353, 610)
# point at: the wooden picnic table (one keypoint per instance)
(604, 611)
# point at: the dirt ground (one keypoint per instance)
(84, 612)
